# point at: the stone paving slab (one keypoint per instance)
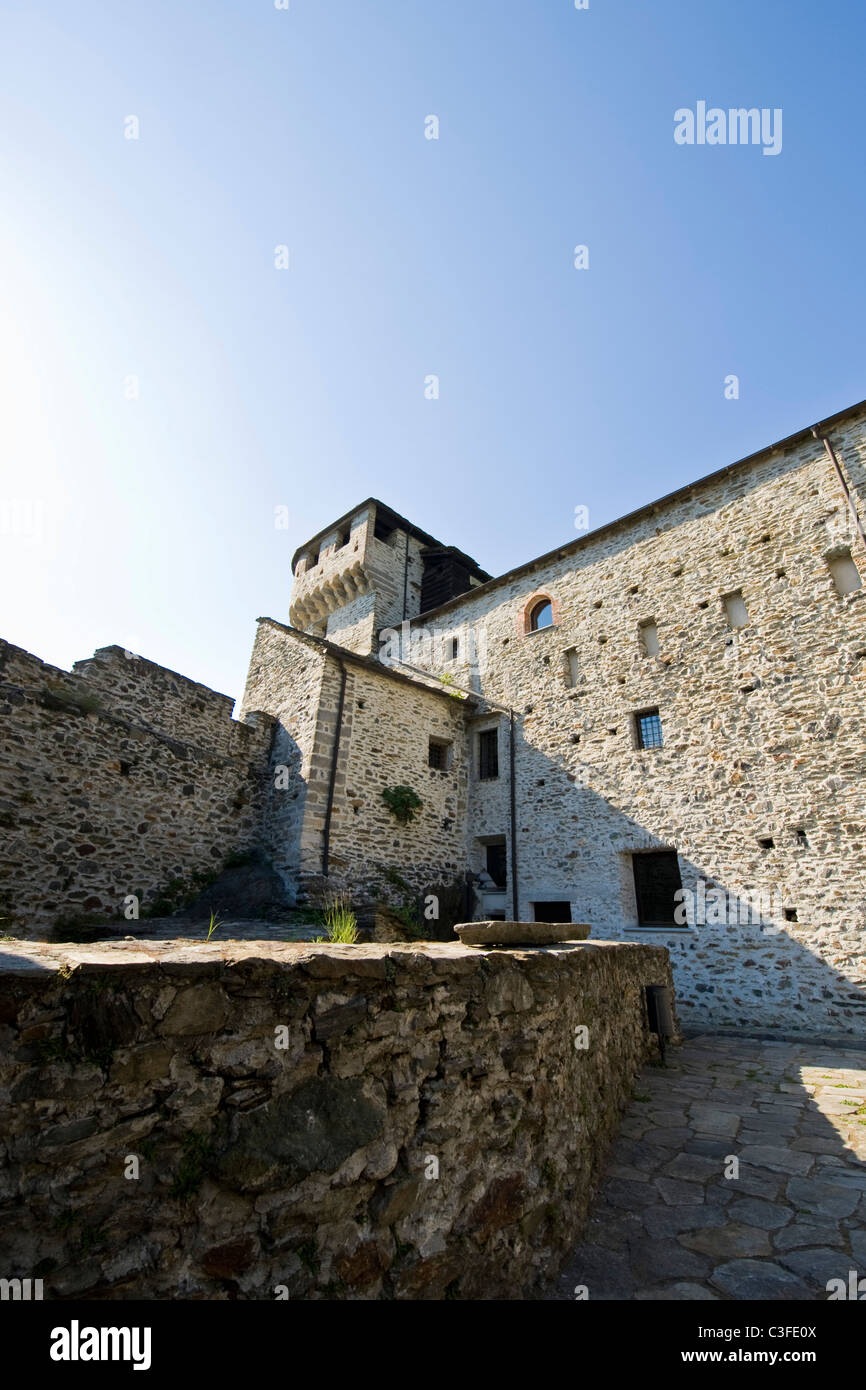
(669, 1222)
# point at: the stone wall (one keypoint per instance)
(332, 576)
(760, 783)
(331, 1122)
(386, 725)
(118, 778)
(351, 587)
(285, 682)
(386, 744)
(351, 583)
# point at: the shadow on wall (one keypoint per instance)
(283, 816)
(743, 966)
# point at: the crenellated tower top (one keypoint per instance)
(369, 570)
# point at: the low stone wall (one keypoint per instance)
(262, 1121)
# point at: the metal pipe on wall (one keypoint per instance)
(511, 760)
(842, 479)
(332, 776)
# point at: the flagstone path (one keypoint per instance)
(668, 1224)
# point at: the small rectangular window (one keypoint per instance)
(439, 754)
(649, 637)
(656, 882)
(497, 862)
(572, 669)
(846, 575)
(488, 754)
(648, 727)
(551, 912)
(453, 648)
(736, 611)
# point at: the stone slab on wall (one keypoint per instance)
(116, 779)
(428, 1128)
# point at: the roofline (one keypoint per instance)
(402, 521)
(369, 663)
(571, 547)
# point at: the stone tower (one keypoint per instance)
(369, 570)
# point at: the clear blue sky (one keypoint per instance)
(304, 388)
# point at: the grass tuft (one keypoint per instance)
(341, 923)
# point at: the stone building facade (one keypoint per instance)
(656, 729)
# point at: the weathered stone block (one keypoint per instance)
(199, 1009)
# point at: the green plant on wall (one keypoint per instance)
(403, 802)
(448, 679)
(408, 915)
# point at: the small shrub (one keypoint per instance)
(403, 802)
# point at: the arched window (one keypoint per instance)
(541, 615)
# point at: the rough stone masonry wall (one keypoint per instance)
(333, 569)
(429, 1129)
(325, 598)
(764, 733)
(116, 779)
(285, 681)
(385, 730)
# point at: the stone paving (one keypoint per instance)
(186, 929)
(668, 1224)
(232, 929)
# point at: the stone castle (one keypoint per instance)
(656, 729)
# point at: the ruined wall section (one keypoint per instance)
(119, 778)
(760, 783)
